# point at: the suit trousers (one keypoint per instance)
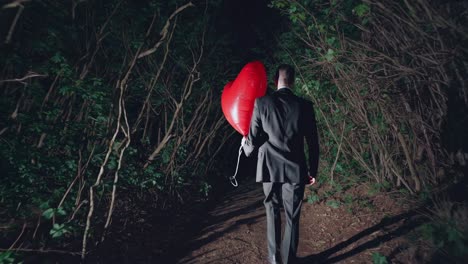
(290, 194)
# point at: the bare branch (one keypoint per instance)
(164, 31)
(13, 4)
(28, 75)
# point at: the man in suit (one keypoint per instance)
(279, 124)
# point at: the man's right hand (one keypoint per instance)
(311, 180)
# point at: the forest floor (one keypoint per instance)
(357, 225)
(331, 231)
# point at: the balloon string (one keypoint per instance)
(233, 177)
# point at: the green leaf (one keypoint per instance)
(334, 204)
(58, 230)
(361, 10)
(339, 168)
(49, 213)
(57, 58)
(60, 211)
(378, 258)
(313, 198)
(330, 55)
(292, 9)
(331, 41)
(8, 257)
(348, 199)
(44, 205)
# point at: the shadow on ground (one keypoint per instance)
(390, 226)
(241, 207)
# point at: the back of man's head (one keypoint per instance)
(285, 75)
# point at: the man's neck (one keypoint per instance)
(282, 85)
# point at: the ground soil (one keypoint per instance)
(352, 224)
(332, 230)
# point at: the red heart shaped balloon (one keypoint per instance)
(238, 97)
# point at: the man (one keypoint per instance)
(279, 124)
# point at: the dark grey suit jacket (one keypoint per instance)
(279, 124)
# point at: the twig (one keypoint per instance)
(15, 20)
(338, 151)
(126, 131)
(78, 174)
(153, 82)
(18, 238)
(164, 31)
(37, 226)
(41, 251)
(98, 180)
(28, 75)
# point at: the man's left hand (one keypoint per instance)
(311, 180)
(244, 139)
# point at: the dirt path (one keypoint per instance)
(344, 229)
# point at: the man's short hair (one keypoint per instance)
(288, 76)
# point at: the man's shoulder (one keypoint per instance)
(305, 101)
(263, 99)
(270, 99)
